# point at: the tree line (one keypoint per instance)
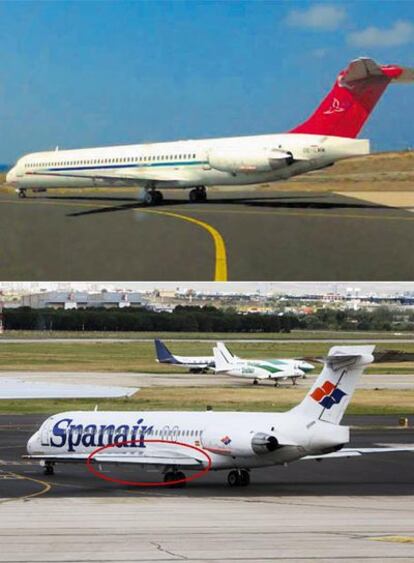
(182, 319)
(203, 319)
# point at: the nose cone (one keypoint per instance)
(11, 176)
(33, 444)
(306, 366)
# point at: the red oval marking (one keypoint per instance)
(147, 483)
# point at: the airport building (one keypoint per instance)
(83, 300)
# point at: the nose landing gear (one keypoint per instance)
(21, 192)
(198, 194)
(49, 468)
(238, 478)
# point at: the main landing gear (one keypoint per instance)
(238, 478)
(174, 476)
(198, 194)
(153, 197)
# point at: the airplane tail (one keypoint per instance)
(223, 359)
(354, 95)
(329, 396)
(164, 356)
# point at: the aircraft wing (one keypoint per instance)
(133, 175)
(354, 452)
(155, 458)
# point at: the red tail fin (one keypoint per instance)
(354, 95)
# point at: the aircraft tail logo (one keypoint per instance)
(328, 395)
(336, 107)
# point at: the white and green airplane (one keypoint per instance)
(259, 370)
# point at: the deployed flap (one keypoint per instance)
(156, 458)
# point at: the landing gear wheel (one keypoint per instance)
(22, 194)
(276, 383)
(198, 194)
(202, 193)
(153, 197)
(171, 476)
(193, 196)
(244, 478)
(234, 479)
(49, 469)
(158, 197)
(255, 382)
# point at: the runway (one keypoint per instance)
(174, 379)
(343, 510)
(238, 235)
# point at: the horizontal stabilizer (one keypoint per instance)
(363, 68)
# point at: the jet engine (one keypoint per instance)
(248, 161)
(236, 443)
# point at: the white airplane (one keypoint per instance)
(195, 364)
(327, 136)
(258, 370)
(202, 364)
(235, 441)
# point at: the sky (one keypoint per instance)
(78, 74)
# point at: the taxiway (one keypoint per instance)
(242, 235)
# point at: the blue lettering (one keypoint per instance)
(121, 435)
(134, 434)
(60, 432)
(74, 436)
(88, 438)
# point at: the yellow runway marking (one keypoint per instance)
(395, 539)
(46, 488)
(220, 271)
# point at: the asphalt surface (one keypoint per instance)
(268, 236)
(384, 474)
(24, 383)
(355, 510)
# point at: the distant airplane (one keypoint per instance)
(259, 370)
(236, 441)
(195, 364)
(327, 136)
